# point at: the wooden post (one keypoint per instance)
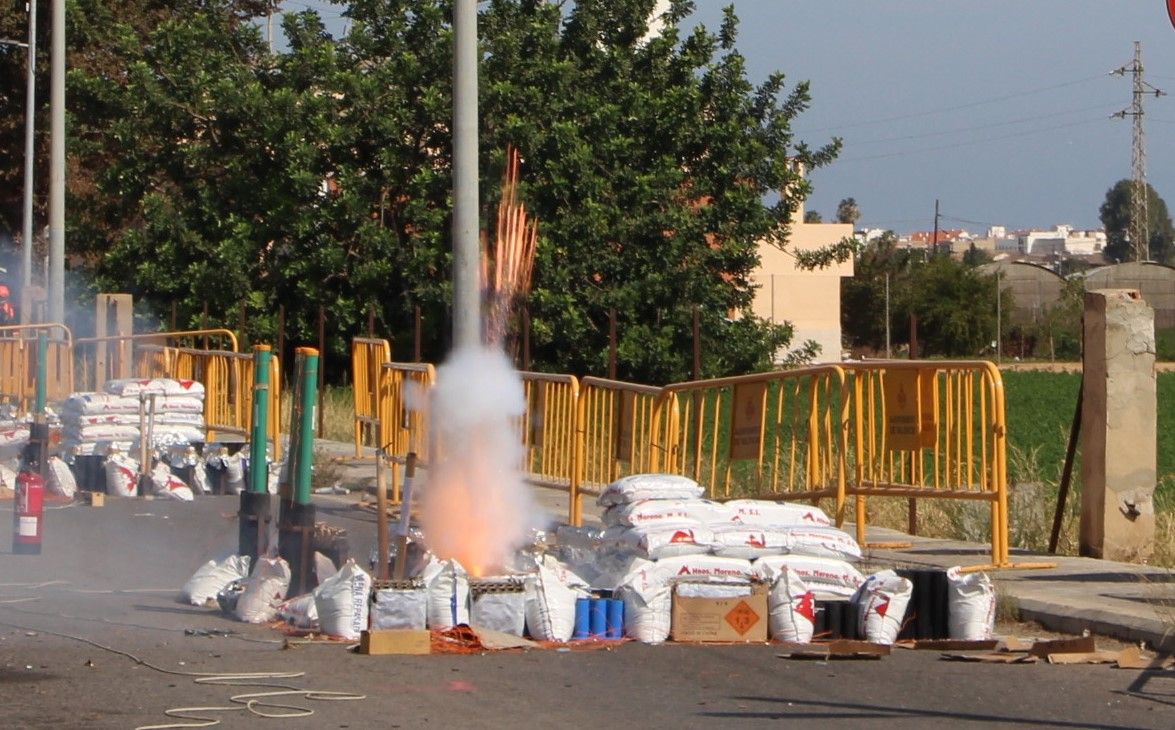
(417, 354)
(321, 360)
(612, 343)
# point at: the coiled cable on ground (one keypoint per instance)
(259, 704)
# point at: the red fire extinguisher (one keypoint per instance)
(28, 513)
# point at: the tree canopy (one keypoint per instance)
(205, 168)
(1116, 216)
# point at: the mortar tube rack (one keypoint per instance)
(495, 584)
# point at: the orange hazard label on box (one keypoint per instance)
(742, 618)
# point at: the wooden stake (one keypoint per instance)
(405, 518)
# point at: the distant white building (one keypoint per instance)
(1062, 239)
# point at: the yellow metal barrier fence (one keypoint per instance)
(100, 359)
(931, 429)
(228, 385)
(551, 435)
(18, 363)
(403, 416)
(778, 435)
(367, 358)
(625, 431)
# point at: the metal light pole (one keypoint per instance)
(56, 310)
(466, 289)
(30, 117)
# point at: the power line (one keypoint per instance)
(957, 107)
(968, 143)
(993, 125)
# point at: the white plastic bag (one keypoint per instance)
(211, 577)
(263, 591)
(505, 612)
(652, 512)
(200, 478)
(823, 542)
(341, 601)
(647, 615)
(636, 487)
(972, 604)
(881, 606)
(826, 577)
(168, 485)
(764, 513)
(400, 608)
(550, 601)
(122, 475)
(448, 594)
(234, 473)
(791, 608)
(61, 481)
(300, 612)
(656, 542)
(750, 542)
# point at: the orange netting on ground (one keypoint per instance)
(464, 640)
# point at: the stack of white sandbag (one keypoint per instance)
(656, 516)
(96, 423)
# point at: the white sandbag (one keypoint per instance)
(551, 593)
(61, 481)
(300, 612)
(98, 403)
(234, 472)
(823, 542)
(750, 542)
(711, 568)
(341, 601)
(448, 594)
(94, 448)
(263, 591)
(791, 608)
(972, 603)
(7, 477)
(175, 418)
(324, 567)
(156, 386)
(764, 513)
(103, 419)
(826, 577)
(652, 512)
(881, 606)
(712, 590)
(100, 432)
(200, 478)
(657, 542)
(647, 617)
(505, 612)
(178, 404)
(400, 608)
(168, 485)
(211, 577)
(636, 487)
(122, 475)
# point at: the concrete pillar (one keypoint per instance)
(1118, 427)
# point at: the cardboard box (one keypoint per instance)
(96, 499)
(720, 619)
(395, 641)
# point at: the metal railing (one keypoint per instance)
(368, 355)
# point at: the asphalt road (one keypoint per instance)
(110, 575)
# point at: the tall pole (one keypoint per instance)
(466, 290)
(934, 242)
(888, 350)
(30, 118)
(1139, 233)
(56, 310)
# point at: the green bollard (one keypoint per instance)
(256, 514)
(42, 372)
(259, 436)
(296, 526)
(307, 396)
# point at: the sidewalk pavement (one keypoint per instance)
(1121, 600)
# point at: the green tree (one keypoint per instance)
(813, 216)
(320, 175)
(1116, 216)
(975, 256)
(847, 211)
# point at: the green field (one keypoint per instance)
(1040, 413)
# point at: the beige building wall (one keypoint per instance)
(809, 300)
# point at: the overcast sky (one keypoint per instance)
(998, 108)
